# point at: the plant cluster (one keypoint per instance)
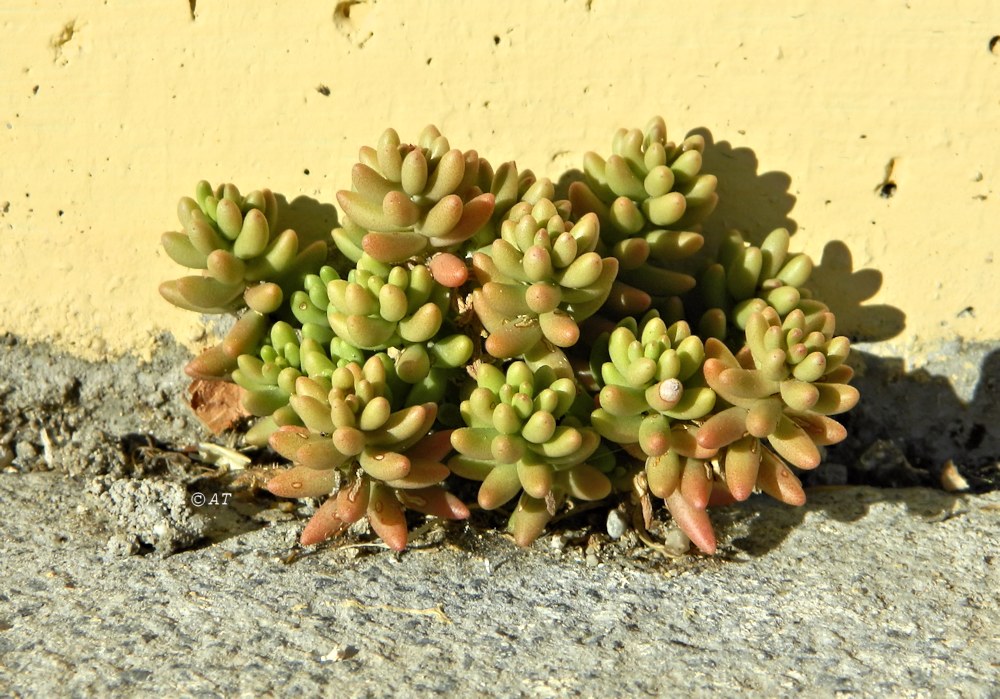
(465, 321)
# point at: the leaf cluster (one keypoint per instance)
(465, 321)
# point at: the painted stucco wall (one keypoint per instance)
(112, 109)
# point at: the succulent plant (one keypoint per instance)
(477, 312)
(521, 435)
(235, 240)
(540, 278)
(408, 199)
(746, 279)
(653, 392)
(376, 460)
(650, 376)
(650, 200)
(781, 387)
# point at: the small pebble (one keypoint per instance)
(26, 451)
(616, 524)
(123, 546)
(676, 542)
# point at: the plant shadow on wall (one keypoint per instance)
(908, 425)
(753, 202)
(311, 219)
(910, 428)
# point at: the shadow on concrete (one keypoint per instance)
(908, 425)
(770, 523)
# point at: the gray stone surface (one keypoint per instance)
(61, 412)
(863, 592)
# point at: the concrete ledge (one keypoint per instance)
(863, 592)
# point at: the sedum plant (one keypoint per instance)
(374, 457)
(466, 324)
(522, 435)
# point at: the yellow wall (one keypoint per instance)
(112, 109)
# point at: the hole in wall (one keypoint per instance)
(496, 39)
(887, 187)
(343, 9)
(323, 90)
(995, 44)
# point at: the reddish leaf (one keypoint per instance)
(449, 270)
(323, 525)
(211, 364)
(385, 514)
(529, 520)
(434, 501)
(288, 439)
(423, 473)
(692, 521)
(696, 486)
(352, 500)
(778, 481)
(433, 447)
(303, 482)
(722, 428)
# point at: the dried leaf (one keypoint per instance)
(216, 404)
(951, 479)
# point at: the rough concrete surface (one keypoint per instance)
(112, 584)
(863, 592)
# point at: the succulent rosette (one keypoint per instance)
(650, 198)
(782, 388)
(653, 393)
(522, 435)
(236, 241)
(540, 278)
(410, 199)
(372, 459)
